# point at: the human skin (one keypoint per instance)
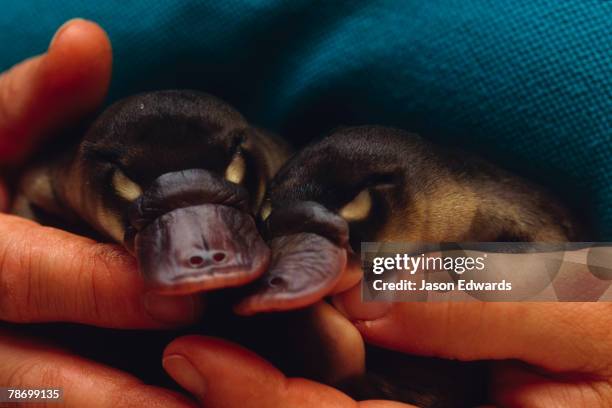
(549, 354)
(48, 275)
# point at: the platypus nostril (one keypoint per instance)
(196, 261)
(218, 257)
(276, 281)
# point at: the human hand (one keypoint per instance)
(548, 354)
(48, 275)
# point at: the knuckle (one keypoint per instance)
(14, 289)
(22, 278)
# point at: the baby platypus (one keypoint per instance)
(375, 183)
(176, 177)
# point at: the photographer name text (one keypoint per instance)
(423, 285)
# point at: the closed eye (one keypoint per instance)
(383, 180)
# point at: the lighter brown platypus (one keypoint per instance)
(372, 183)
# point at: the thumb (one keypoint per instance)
(224, 375)
(43, 93)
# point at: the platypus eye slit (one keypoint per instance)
(382, 180)
(93, 152)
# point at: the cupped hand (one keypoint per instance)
(548, 354)
(48, 275)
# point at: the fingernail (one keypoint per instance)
(351, 306)
(185, 374)
(62, 29)
(173, 310)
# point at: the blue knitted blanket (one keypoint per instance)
(527, 83)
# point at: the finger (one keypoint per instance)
(556, 336)
(28, 364)
(47, 91)
(517, 385)
(51, 275)
(223, 375)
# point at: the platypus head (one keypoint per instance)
(176, 177)
(323, 202)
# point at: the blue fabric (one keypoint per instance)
(528, 83)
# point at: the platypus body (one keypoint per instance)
(207, 202)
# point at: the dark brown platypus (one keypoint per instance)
(162, 162)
